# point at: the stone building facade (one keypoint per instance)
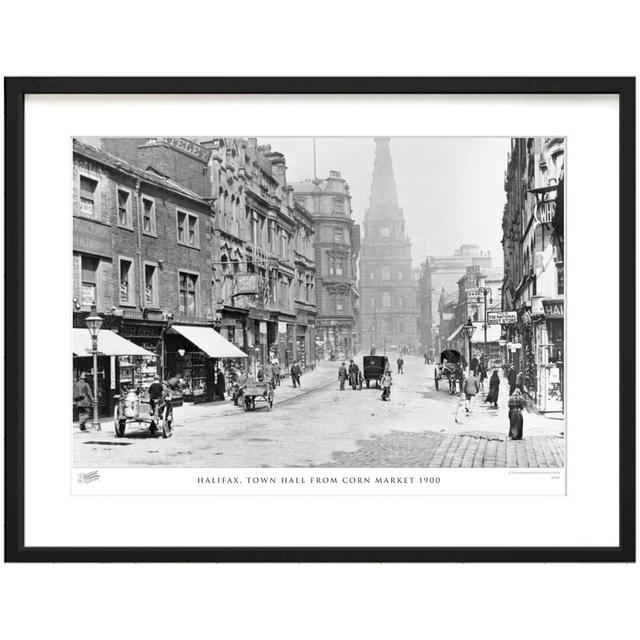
(534, 283)
(337, 245)
(389, 304)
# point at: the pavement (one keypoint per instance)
(318, 425)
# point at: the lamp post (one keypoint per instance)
(484, 292)
(94, 323)
(468, 329)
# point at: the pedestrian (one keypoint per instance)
(482, 373)
(426, 358)
(470, 389)
(400, 363)
(360, 380)
(156, 393)
(494, 389)
(373, 351)
(385, 383)
(296, 372)
(83, 400)
(474, 366)
(342, 375)
(511, 379)
(516, 420)
(220, 387)
(276, 373)
(260, 374)
(354, 372)
(520, 380)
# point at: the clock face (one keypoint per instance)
(384, 232)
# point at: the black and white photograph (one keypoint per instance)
(318, 302)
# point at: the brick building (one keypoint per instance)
(337, 244)
(255, 265)
(142, 256)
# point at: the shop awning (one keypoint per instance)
(109, 344)
(494, 331)
(455, 333)
(209, 341)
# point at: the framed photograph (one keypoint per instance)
(320, 319)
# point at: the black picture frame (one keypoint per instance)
(15, 91)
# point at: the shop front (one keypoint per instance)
(550, 357)
(112, 349)
(137, 371)
(199, 355)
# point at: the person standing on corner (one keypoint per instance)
(83, 399)
(296, 372)
(400, 363)
(516, 420)
(342, 375)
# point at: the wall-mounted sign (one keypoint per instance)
(553, 308)
(189, 148)
(245, 284)
(91, 237)
(546, 211)
(502, 317)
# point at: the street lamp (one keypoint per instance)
(485, 291)
(468, 329)
(94, 323)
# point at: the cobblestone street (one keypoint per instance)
(321, 426)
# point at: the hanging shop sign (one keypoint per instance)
(245, 284)
(502, 317)
(553, 308)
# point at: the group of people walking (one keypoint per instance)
(355, 377)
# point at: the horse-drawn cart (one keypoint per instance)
(450, 368)
(258, 392)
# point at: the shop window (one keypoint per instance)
(89, 276)
(188, 294)
(88, 196)
(149, 216)
(150, 285)
(124, 208)
(126, 281)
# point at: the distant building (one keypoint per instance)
(442, 273)
(388, 290)
(337, 245)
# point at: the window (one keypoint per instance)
(372, 276)
(126, 281)
(188, 294)
(338, 235)
(339, 265)
(148, 216)
(150, 286)
(386, 273)
(187, 224)
(386, 299)
(338, 205)
(399, 275)
(339, 303)
(401, 302)
(124, 208)
(88, 193)
(89, 277)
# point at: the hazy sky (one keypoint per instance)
(451, 189)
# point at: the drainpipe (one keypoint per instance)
(139, 241)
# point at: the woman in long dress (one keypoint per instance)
(516, 422)
(494, 389)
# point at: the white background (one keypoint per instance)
(321, 601)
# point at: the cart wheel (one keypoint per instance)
(167, 424)
(121, 425)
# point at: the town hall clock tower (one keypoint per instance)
(388, 294)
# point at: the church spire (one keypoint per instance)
(383, 201)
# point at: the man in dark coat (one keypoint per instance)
(511, 379)
(494, 389)
(520, 380)
(342, 375)
(220, 386)
(354, 374)
(296, 372)
(474, 365)
(83, 399)
(156, 391)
